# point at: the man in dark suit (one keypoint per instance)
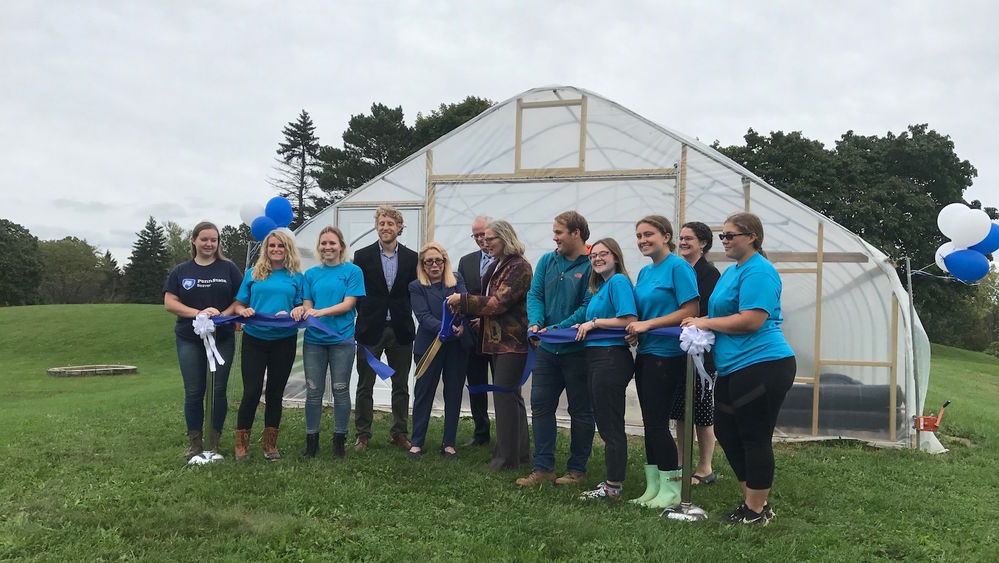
(472, 267)
(385, 324)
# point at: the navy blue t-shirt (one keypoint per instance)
(214, 285)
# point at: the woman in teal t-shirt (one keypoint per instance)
(666, 293)
(330, 294)
(609, 362)
(272, 286)
(756, 366)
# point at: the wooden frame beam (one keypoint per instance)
(681, 190)
(553, 174)
(893, 377)
(777, 256)
(818, 329)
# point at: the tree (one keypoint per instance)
(148, 265)
(439, 122)
(111, 277)
(69, 271)
(297, 166)
(886, 189)
(178, 243)
(235, 243)
(20, 267)
(371, 144)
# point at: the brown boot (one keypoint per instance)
(214, 436)
(194, 443)
(270, 444)
(242, 444)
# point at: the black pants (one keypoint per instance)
(610, 370)
(275, 357)
(659, 380)
(400, 358)
(747, 403)
(477, 373)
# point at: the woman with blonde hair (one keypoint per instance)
(329, 294)
(503, 311)
(272, 286)
(756, 366)
(434, 282)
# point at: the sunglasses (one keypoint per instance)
(730, 236)
(433, 262)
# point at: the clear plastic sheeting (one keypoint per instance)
(557, 148)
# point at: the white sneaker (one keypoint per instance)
(601, 492)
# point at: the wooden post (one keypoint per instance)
(681, 203)
(582, 134)
(519, 130)
(429, 215)
(745, 193)
(818, 332)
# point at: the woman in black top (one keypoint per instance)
(205, 284)
(694, 242)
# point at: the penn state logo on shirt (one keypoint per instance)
(188, 283)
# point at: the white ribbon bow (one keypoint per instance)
(696, 342)
(205, 328)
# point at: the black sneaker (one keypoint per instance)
(745, 515)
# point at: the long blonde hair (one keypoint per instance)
(421, 273)
(262, 269)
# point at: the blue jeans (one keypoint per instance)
(552, 374)
(338, 359)
(450, 361)
(194, 370)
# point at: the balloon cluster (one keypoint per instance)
(262, 219)
(972, 235)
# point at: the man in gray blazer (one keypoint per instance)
(472, 266)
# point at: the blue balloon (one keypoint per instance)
(279, 210)
(990, 243)
(967, 265)
(261, 227)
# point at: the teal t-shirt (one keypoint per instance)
(281, 291)
(327, 286)
(615, 298)
(660, 290)
(752, 285)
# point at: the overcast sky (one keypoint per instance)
(114, 111)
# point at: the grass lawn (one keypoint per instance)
(93, 469)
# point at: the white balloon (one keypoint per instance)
(950, 217)
(250, 211)
(972, 227)
(945, 249)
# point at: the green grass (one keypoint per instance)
(93, 470)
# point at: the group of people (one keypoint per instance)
(499, 307)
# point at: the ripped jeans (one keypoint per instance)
(338, 360)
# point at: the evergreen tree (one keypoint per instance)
(371, 144)
(178, 242)
(439, 122)
(111, 276)
(297, 166)
(20, 268)
(148, 265)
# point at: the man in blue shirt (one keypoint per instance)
(558, 298)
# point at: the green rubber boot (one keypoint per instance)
(669, 490)
(651, 485)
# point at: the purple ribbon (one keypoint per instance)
(566, 336)
(284, 321)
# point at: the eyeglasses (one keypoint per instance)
(488, 240)
(599, 256)
(730, 236)
(477, 236)
(433, 262)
